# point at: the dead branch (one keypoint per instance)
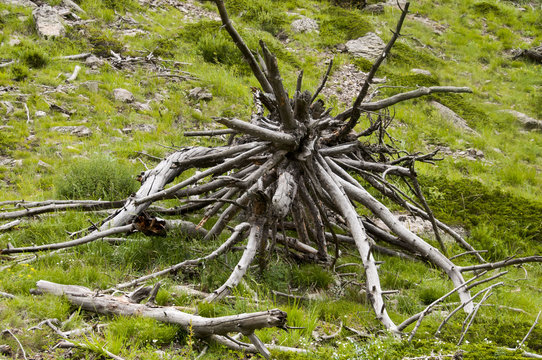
(530, 331)
(8, 331)
(500, 264)
(85, 239)
(200, 326)
(487, 294)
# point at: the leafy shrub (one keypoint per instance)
(19, 72)
(98, 178)
(340, 25)
(264, 14)
(485, 8)
(103, 43)
(34, 58)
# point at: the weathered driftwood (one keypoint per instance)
(200, 326)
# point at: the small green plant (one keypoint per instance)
(340, 25)
(19, 72)
(34, 58)
(485, 8)
(97, 178)
(104, 42)
(312, 275)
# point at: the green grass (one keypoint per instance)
(497, 200)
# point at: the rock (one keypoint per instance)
(374, 9)
(341, 48)
(79, 131)
(304, 24)
(123, 95)
(40, 114)
(452, 117)
(6, 161)
(421, 71)
(22, 3)
(14, 41)
(148, 128)
(369, 46)
(528, 122)
(48, 22)
(199, 93)
(142, 106)
(93, 61)
(420, 227)
(44, 165)
(92, 86)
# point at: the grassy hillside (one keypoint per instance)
(180, 45)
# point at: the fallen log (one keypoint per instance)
(199, 326)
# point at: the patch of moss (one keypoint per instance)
(266, 15)
(463, 107)
(505, 223)
(484, 8)
(338, 25)
(404, 55)
(362, 64)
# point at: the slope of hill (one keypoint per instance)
(82, 127)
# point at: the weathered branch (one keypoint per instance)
(85, 239)
(500, 264)
(279, 138)
(200, 326)
(392, 100)
(242, 46)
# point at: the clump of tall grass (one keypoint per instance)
(98, 178)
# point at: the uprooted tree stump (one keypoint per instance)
(295, 167)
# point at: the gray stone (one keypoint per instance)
(79, 131)
(142, 106)
(199, 93)
(93, 61)
(374, 9)
(48, 22)
(452, 117)
(92, 86)
(6, 161)
(304, 24)
(148, 128)
(23, 3)
(528, 122)
(40, 114)
(421, 71)
(123, 95)
(44, 165)
(369, 46)
(14, 41)
(420, 227)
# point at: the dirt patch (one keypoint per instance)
(345, 84)
(437, 27)
(190, 9)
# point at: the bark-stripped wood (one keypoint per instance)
(200, 326)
